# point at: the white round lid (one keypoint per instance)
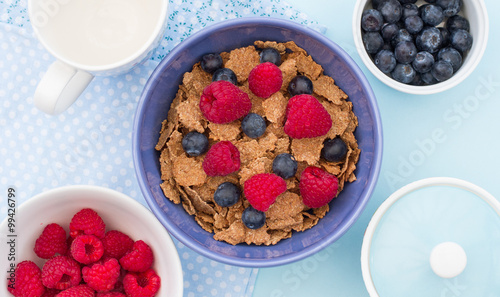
(434, 237)
(448, 259)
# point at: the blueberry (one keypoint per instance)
(445, 34)
(450, 7)
(405, 52)
(423, 62)
(431, 1)
(300, 85)
(461, 40)
(211, 62)
(408, 1)
(285, 166)
(451, 55)
(401, 35)
(334, 150)
(442, 70)
(391, 10)
(428, 78)
(227, 194)
(388, 31)
(417, 80)
(373, 42)
(414, 24)
(376, 3)
(409, 10)
(403, 73)
(387, 46)
(431, 14)
(225, 74)
(371, 20)
(457, 22)
(385, 61)
(270, 55)
(195, 144)
(253, 125)
(252, 218)
(400, 23)
(429, 40)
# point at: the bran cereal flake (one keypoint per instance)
(184, 181)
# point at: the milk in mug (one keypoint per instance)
(96, 32)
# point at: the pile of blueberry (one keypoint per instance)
(409, 42)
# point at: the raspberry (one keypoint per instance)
(265, 79)
(144, 284)
(116, 244)
(110, 294)
(222, 158)
(61, 272)
(102, 276)
(317, 187)
(52, 241)
(119, 283)
(306, 117)
(27, 281)
(222, 102)
(50, 292)
(139, 258)
(261, 190)
(78, 291)
(87, 221)
(69, 241)
(86, 249)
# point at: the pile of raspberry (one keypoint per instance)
(223, 102)
(90, 262)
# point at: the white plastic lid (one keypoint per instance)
(434, 237)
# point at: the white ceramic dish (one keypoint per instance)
(474, 10)
(118, 211)
(423, 230)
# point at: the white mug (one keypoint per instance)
(90, 38)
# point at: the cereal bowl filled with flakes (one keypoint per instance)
(420, 47)
(257, 142)
(86, 241)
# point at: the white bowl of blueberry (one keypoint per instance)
(421, 47)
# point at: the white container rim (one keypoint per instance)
(473, 57)
(405, 190)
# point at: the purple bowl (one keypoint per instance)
(155, 102)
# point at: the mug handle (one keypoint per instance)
(60, 87)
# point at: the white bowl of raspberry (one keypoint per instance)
(85, 240)
(420, 47)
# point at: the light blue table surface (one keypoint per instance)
(467, 119)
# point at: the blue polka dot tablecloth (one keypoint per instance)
(90, 143)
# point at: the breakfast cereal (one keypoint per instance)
(186, 183)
